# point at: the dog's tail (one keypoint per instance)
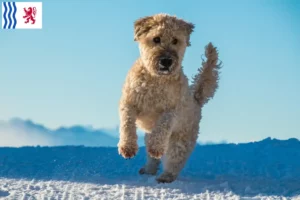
(205, 83)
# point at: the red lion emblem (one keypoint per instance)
(30, 14)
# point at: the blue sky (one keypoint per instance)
(71, 71)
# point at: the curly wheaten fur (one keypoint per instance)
(157, 98)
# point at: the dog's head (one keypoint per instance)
(162, 41)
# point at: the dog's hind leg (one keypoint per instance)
(152, 164)
(176, 156)
(151, 167)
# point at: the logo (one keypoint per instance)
(21, 15)
(30, 14)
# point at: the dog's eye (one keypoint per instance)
(156, 40)
(174, 41)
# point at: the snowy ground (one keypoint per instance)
(269, 169)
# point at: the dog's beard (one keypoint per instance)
(151, 61)
(155, 68)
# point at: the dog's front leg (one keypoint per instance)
(127, 145)
(158, 138)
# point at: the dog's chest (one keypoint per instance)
(156, 97)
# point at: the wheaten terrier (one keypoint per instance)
(157, 98)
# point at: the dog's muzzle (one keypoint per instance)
(165, 65)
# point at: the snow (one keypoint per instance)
(269, 169)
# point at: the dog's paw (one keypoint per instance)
(166, 178)
(142, 170)
(155, 152)
(145, 170)
(128, 150)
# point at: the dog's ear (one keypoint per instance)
(188, 28)
(142, 26)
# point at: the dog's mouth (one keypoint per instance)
(163, 70)
(165, 65)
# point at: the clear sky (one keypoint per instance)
(71, 71)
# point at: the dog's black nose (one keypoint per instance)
(166, 62)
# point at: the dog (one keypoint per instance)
(157, 98)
